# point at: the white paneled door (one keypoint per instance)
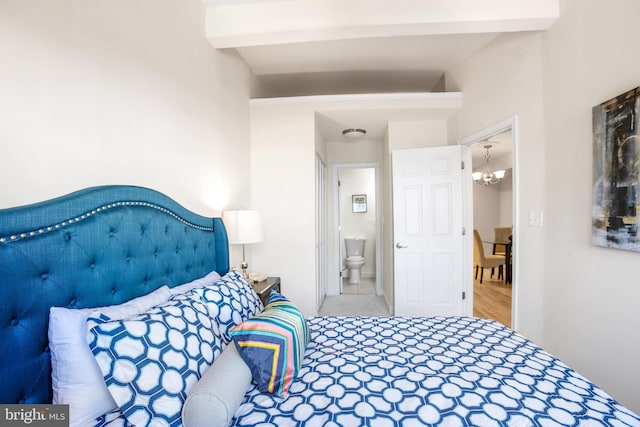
(428, 231)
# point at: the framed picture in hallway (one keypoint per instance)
(616, 183)
(359, 203)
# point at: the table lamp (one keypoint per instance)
(243, 227)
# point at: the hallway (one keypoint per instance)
(356, 300)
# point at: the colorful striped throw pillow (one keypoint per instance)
(272, 344)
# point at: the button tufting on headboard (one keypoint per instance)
(99, 246)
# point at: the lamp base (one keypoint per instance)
(244, 267)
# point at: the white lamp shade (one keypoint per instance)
(243, 226)
(499, 174)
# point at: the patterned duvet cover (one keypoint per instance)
(435, 371)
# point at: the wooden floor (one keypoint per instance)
(492, 299)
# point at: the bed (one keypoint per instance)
(124, 255)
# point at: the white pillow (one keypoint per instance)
(217, 395)
(207, 280)
(75, 375)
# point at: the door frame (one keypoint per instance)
(510, 123)
(338, 249)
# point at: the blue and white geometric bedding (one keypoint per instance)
(436, 371)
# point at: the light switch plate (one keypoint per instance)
(535, 218)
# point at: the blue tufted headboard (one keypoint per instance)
(95, 247)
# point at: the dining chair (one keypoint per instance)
(482, 261)
(500, 234)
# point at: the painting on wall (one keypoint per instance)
(359, 203)
(616, 159)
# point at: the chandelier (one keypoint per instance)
(487, 177)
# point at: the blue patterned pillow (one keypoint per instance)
(230, 302)
(150, 362)
(273, 344)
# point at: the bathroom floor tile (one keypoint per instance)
(365, 287)
(350, 289)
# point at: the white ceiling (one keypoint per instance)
(313, 47)
(419, 52)
(384, 64)
(374, 121)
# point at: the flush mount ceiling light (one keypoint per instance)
(354, 133)
(487, 177)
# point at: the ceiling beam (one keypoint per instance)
(267, 22)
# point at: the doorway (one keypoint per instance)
(357, 218)
(494, 207)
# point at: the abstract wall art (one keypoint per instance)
(616, 163)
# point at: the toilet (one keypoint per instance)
(355, 258)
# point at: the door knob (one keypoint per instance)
(401, 246)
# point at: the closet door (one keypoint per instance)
(321, 232)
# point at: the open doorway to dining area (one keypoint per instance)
(493, 173)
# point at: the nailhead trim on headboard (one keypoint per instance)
(43, 230)
(94, 247)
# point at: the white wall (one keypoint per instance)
(506, 200)
(283, 189)
(492, 207)
(502, 80)
(120, 92)
(592, 294)
(359, 151)
(486, 212)
(417, 134)
(322, 146)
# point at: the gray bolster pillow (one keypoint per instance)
(217, 395)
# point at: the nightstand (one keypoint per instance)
(263, 289)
